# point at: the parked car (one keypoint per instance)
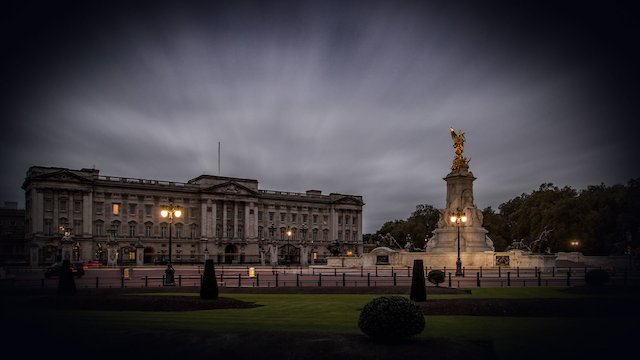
(92, 263)
(54, 270)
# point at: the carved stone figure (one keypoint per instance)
(540, 245)
(458, 145)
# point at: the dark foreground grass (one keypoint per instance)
(323, 326)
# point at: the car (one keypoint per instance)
(54, 270)
(92, 263)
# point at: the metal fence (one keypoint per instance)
(245, 276)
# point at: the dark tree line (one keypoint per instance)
(603, 219)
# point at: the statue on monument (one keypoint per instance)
(540, 245)
(458, 144)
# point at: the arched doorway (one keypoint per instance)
(230, 253)
(288, 254)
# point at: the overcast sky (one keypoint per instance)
(339, 96)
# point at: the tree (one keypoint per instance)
(418, 288)
(419, 226)
(209, 284)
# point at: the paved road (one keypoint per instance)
(266, 276)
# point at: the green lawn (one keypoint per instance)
(528, 337)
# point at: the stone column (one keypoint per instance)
(304, 254)
(273, 254)
(139, 255)
(205, 227)
(87, 213)
(37, 212)
(224, 219)
(112, 254)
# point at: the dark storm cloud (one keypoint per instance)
(349, 97)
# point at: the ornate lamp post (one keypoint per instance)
(170, 212)
(458, 218)
(575, 244)
(289, 251)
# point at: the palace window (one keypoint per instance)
(99, 206)
(48, 204)
(115, 209)
(147, 230)
(63, 205)
(48, 227)
(99, 228)
(164, 231)
(132, 230)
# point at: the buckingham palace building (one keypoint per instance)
(81, 215)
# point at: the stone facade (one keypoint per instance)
(117, 220)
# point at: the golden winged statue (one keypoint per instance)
(458, 145)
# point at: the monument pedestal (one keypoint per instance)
(473, 237)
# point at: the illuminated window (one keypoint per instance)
(132, 254)
(115, 208)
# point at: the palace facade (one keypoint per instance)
(81, 215)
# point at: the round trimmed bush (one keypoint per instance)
(596, 277)
(436, 277)
(391, 318)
